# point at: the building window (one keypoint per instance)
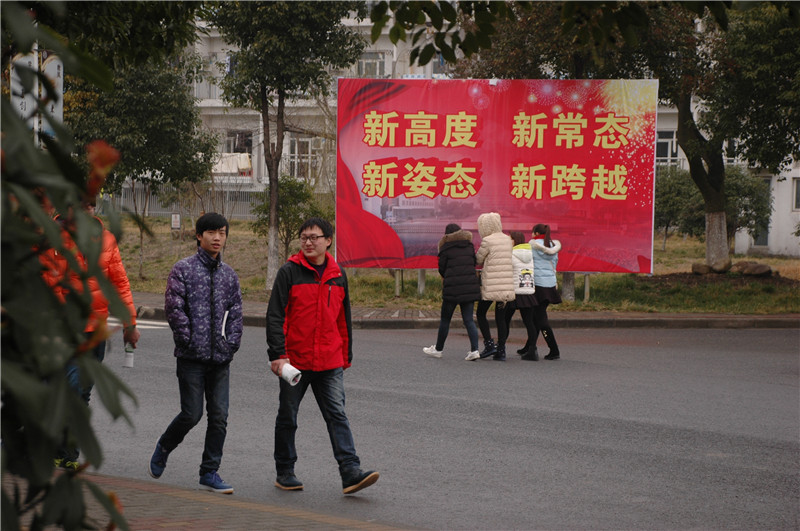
(439, 65)
(796, 184)
(372, 64)
(238, 142)
(206, 88)
(667, 148)
(305, 157)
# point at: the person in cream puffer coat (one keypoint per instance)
(497, 281)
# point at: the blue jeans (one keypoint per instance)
(328, 387)
(196, 380)
(69, 451)
(466, 316)
(74, 376)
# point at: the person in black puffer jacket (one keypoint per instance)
(460, 287)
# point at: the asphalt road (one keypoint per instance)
(631, 429)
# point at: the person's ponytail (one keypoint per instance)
(543, 229)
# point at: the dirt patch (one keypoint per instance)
(691, 280)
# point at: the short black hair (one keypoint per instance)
(451, 228)
(210, 221)
(323, 224)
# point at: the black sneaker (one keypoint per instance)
(490, 349)
(356, 479)
(531, 356)
(288, 481)
(552, 356)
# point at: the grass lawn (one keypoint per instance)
(672, 287)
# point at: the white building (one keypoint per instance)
(778, 238)
(310, 151)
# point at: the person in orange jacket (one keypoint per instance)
(110, 261)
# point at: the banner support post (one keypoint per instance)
(397, 288)
(586, 287)
(568, 289)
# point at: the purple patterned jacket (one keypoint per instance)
(202, 297)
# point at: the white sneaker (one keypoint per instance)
(431, 351)
(473, 355)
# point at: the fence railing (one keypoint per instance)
(233, 204)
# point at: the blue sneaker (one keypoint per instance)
(158, 462)
(211, 481)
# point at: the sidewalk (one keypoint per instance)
(151, 306)
(151, 506)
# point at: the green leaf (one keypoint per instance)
(434, 13)
(52, 231)
(377, 28)
(79, 426)
(8, 514)
(448, 53)
(64, 503)
(413, 55)
(426, 54)
(109, 388)
(448, 11)
(24, 32)
(378, 12)
(29, 392)
(102, 497)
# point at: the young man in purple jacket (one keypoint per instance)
(203, 304)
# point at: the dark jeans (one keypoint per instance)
(196, 380)
(527, 320)
(67, 451)
(328, 387)
(500, 320)
(466, 316)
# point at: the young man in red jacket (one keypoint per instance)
(309, 326)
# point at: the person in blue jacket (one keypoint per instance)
(203, 303)
(545, 259)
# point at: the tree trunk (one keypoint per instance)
(707, 169)
(717, 248)
(272, 155)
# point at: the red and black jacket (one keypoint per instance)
(308, 317)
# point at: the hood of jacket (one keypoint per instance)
(458, 236)
(538, 245)
(523, 252)
(489, 223)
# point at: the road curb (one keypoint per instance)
(573, 320)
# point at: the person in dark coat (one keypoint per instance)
(460, 287)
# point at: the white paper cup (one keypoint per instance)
(290, 374)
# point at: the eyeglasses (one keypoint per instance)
(312, 237)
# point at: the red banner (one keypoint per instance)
(415, 155)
